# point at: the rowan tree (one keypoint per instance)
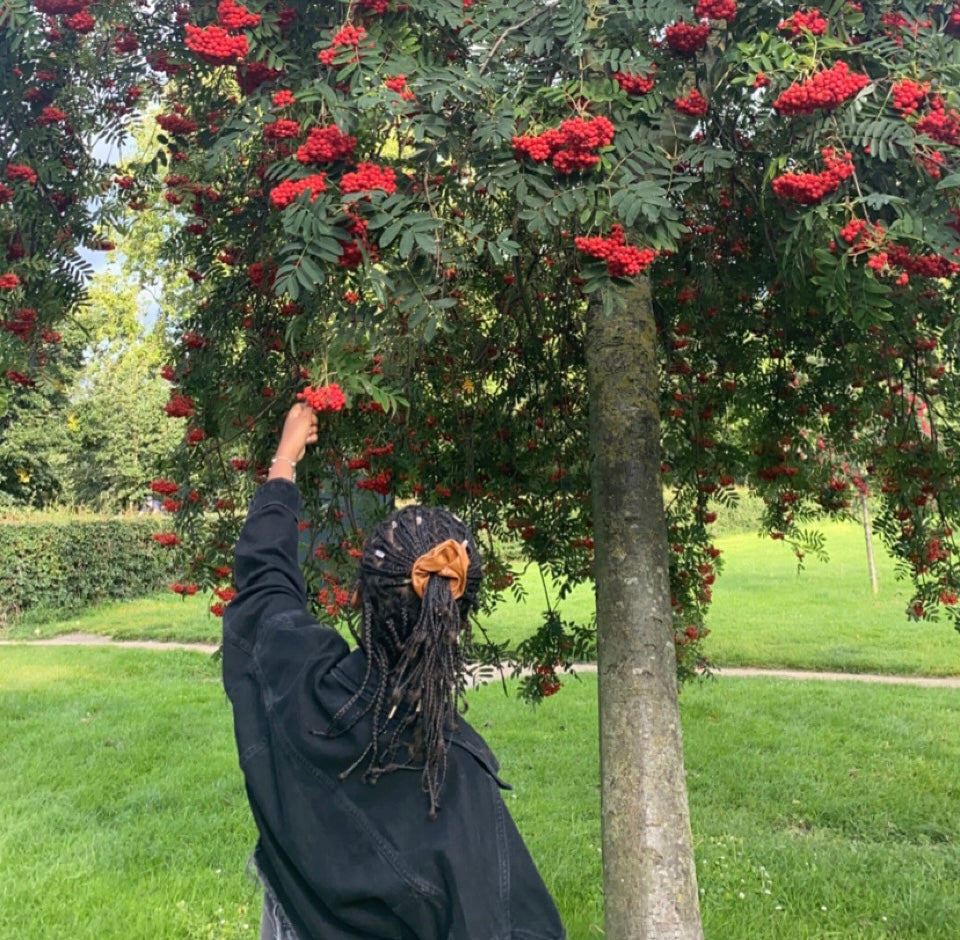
(477, 219)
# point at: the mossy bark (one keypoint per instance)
(650, 889)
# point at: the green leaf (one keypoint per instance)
(390, 233)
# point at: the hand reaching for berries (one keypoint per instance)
(299, 429)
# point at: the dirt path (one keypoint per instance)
(946, 682)
(92, 639)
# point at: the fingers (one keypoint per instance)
(300, 428)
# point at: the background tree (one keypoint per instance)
(35, 445)
(33, 455)
(119, 432)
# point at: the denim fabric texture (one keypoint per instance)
(274, 924)
(343, 859)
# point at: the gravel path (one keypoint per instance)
(946, 682)
(92, 639)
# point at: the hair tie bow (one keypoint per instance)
(449, 559)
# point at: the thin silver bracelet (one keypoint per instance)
(293, 465)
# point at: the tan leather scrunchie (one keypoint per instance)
(449, 559)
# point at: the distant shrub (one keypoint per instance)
(742, 514)
(61, 565)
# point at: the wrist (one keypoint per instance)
(283, 467)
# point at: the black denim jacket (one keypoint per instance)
(347, 859)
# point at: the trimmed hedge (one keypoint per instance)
(66, 566)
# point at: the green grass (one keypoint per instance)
(820, 810)
(765, 612)
(170, 617)
(123, 814)
(165, 616)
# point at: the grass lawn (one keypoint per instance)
(765, 613)
(166, 616)
(820, 810)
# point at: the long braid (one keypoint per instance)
(413, 645)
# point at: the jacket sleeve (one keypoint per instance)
(267, 628)
(266, 567)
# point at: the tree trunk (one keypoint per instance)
(649, 878)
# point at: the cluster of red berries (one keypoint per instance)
(349, 37)
(809, 188)
(716, 10)
(933, 266)
(811, 21)
(623, 260)
(325, 145)
(21, 173)
(333, 600)
(896, 23)
(547, 680)
(164, 487)
(126, 41)
(569, 147)
(880, 262)
(286, 192)
(687, 39)
(6, 194)
(191, 339)
(324, 397)
(9, 281)
(19, 378)
(226, 594)
(398, 83)
(251, 75)
(368, 176)
(176, 124)
(633, 83)
(232, 15)
(693, 104)
(824, 91)
(215, 45)
(166, 539)
(188, 590)
(378, 483)
(941, 125)
(22, 325)
(180, 406)
(81, 22)
(378, 7)
(51, 115)
(261, 273)
(283, 129)
(908, 95)
(283, 98)
(861, 235)
(351, 255)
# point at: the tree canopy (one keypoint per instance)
(415, 202)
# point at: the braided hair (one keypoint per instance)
(413, 645)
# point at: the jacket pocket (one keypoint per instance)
(342, 703)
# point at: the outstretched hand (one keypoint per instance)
(299, 430)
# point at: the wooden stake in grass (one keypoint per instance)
(868, 540)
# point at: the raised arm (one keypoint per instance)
(266, 564)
